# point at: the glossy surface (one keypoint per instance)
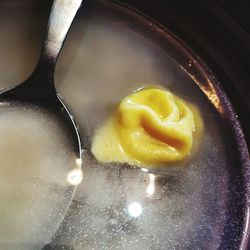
(151, 127)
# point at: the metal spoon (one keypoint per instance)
(39, 89)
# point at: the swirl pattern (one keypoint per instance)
(151, 127)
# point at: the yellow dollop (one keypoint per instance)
(150, 127)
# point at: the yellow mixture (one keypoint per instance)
(150, 127)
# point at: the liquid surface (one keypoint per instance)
(35, 159)
(150, 127)
(116, 206)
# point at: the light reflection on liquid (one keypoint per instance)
(74, 177)
(135, 209)
(151, 186)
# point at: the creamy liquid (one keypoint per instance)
(118, 207)
(35, 159)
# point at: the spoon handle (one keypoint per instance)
(61, 17)
(40, 85)
(41, 81)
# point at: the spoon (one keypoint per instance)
(39, 89)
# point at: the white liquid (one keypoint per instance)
(102, 62)
(35, 158)
(110, 61)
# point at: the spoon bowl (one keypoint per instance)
(39, 89)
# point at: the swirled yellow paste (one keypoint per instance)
(150, 127)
